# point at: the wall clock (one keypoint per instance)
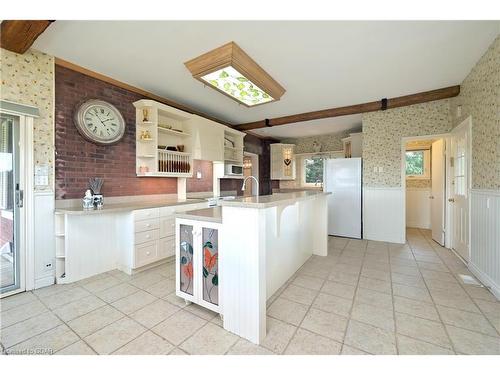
(99, 122)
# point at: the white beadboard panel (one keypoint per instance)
(383, 214)
(418, 208)
(44, 242)
(485, 238)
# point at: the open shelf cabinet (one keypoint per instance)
(163, 141)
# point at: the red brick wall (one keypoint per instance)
(77, 159)
(205, 183)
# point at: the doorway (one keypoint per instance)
(11, 200)
(250, 168)
(424, 181)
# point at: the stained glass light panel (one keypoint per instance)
(235, 84)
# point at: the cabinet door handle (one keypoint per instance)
(148, 253)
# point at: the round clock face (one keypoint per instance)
(100, 122)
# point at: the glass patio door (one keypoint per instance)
(10, 202)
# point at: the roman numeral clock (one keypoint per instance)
(99, 122)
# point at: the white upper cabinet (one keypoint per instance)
(208, 139)
(168, 139)
(353, 145)
(282, 161)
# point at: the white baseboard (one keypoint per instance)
(486, 280)
(44, 281)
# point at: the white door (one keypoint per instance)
(459, 197)
(437, 196)
(342, 178)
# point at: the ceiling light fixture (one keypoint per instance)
(229, 70)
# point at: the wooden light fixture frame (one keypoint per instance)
(231, 54)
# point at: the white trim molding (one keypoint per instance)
(485, 238)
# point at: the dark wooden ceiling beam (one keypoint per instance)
(18, 36)
(401, 101)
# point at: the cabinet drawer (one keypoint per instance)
(144, 225)
(167, 226)
(148, 213)
(149, 235)
(166, 247)
(145, 253)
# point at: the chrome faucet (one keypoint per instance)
(245, 182)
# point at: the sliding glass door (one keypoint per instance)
(11, 200)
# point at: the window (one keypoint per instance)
(313, 171)
(418, 164)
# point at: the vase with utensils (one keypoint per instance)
(95, 184)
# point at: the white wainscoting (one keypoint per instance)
(44, 242)
(383, 214)
(418, 208)
(485, 238)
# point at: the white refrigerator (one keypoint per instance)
(342, 177)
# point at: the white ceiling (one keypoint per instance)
(312, 128)
(321, 64)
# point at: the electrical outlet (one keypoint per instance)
(198, 175)
(49, 265)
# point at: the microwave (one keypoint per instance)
(233, 170)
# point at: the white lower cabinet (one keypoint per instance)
(145, 253)
(154, 233)
(197, 262)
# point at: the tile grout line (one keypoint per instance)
(307, 312)
(353, 300)
(439, 315)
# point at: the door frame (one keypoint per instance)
(467, 124)
(404, 140)
(255, 170)
(25, 115)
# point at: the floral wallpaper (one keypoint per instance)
(29, 79)
(480, 98)
(382, 134)
(418, 183)
(328, 142)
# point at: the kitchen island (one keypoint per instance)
(259, 243)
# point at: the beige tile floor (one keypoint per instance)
(365, 297)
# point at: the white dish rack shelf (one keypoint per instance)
(165, 127)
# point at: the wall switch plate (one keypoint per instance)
(380, 169)
(375, 169)
(198, 175)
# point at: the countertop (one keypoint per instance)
(127, 206)
(278, 199)
(212, 214)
